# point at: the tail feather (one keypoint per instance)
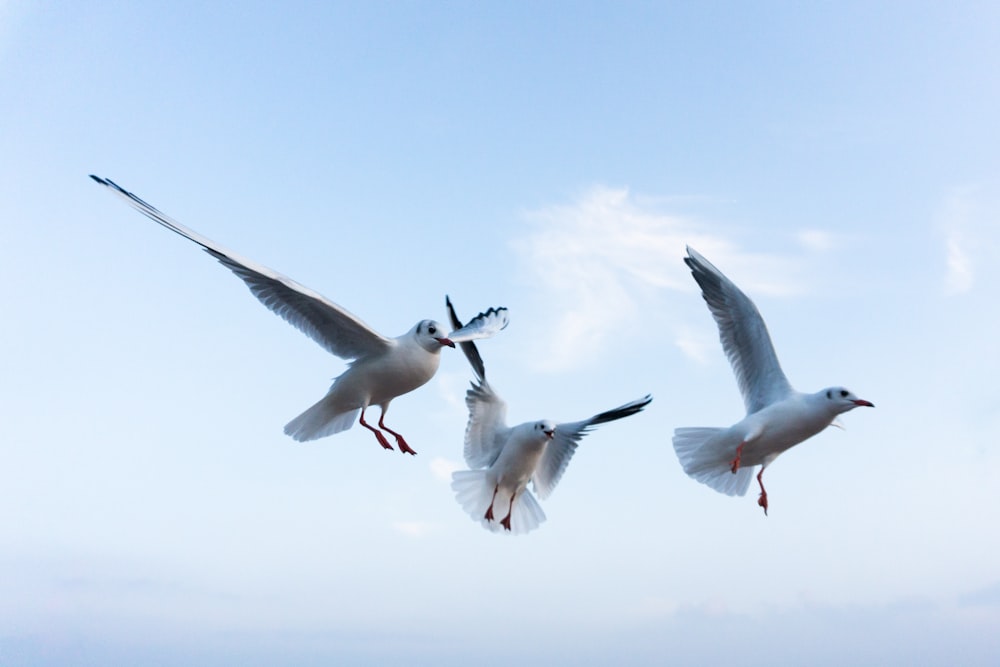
(474, 492)
(703, 462)
(320, 420)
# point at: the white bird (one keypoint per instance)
(510, 457)
(382, 368)
(778, 417)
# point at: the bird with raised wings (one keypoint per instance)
(778, 417)
(505, 458)
(382, 368)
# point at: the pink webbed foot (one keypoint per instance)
(378, 434)
(505, 522)
(403, 447)
(739, 455)
(762, 499)
(489, 510)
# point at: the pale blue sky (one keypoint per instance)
(839, 161)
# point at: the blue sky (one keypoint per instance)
(839, 161)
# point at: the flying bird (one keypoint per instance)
(778, 417)
(504, 458)
(381, 369)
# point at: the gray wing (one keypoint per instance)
(468, 347)
(487, 430)
(743, 334)
(561, 448)
(483, 325)
(337, 330)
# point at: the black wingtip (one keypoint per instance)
(623, 411)
(468, 347)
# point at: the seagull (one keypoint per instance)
(381, 369)
(778, 417)
(508, 458)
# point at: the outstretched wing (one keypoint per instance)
(563, 444)
(337, 330)
(468, 347)
(743, 334)
(487, 430)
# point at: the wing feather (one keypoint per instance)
(744, 336)
(330, 325)
(563, 445)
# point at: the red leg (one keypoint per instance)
(739, 454)
(762, 500)
(505, 522)
(378, 434)
(403, 447)
(489, 510)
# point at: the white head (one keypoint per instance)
(841, 400)
(544, 429)
(430, 335)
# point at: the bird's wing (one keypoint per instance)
(337, 330)
(483, 325)
(743, 334)
(560, 449)
(487, 431)
(468, 347)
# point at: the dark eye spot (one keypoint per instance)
(843, 392)
(432, 329)
(829, 394)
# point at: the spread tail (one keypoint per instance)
(474, 491)
(320, 420)
(703, 462)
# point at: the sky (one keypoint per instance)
(838, 161)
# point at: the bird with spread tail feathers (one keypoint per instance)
(382, 368)
(778, 417)
(504, 458)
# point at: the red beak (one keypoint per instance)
(445, 341)
(864, 403)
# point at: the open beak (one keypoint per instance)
(864, 403)
(445, 341)
(549, 434)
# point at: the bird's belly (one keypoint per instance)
(777, 437)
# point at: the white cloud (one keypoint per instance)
(442, 468)
(597, 263)
(970, 222)
(817, 240)
(413, 528)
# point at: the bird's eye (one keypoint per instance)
(843, 393)
(432, 329)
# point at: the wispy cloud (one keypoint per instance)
(442, 468)
(970, 220)
(602, 260)
(414, 528)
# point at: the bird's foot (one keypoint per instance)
(489, 513)
(382, 441)
(736, 461)
(505, 522)
(762, 501)
(403, 447)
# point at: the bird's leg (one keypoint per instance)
(403, 447)
(762, 500)
(739, 454)
(489, 510)
(378, 434)
(505, 522)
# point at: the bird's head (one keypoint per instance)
(431, 336)
(842, 400)
(544, 428)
